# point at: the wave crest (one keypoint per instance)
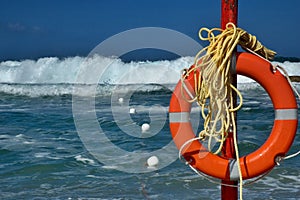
(54, 76)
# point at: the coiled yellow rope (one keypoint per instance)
(213, 88)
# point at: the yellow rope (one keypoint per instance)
(213, 88)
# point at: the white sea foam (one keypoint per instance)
(84, 160)
(110, 167)
(41, 154)
(54, 76)
(53, 70)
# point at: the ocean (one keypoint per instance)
(64, 137)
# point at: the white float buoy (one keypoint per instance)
(145, 127)
(132, 111)
(152, 161)
(121, 100)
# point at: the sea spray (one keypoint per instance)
(53, 76)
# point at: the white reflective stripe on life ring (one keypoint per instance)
(179, 117)
(286, 114)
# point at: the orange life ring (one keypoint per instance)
(257, 162)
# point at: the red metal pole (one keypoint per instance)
(229, 14)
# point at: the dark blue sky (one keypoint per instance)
(63, 28)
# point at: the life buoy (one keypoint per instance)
(257, 162)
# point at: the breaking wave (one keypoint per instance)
(54, 76)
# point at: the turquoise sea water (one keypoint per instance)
(43, 157)
(50, 149)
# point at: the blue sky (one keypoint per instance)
(63, 28)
